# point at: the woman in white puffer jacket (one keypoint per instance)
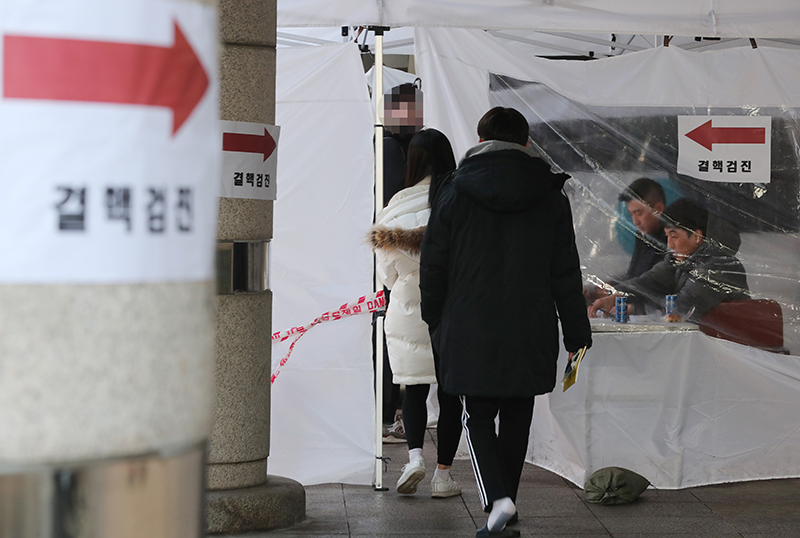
(396, 238)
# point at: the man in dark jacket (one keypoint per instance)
(646, 201)
(402, 109)
(499, 268)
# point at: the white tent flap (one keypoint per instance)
(322, 402)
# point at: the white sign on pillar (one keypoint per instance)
(732, 149)
(110, 140)
(249, 160)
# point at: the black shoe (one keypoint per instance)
(505, 533)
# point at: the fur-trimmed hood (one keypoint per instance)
(389, 239)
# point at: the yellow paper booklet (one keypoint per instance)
(571, 373)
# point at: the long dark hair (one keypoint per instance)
(429, 154)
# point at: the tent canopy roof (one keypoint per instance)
(707, 18)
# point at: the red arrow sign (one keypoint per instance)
(105, 72)
(248, 143)
(706, 135)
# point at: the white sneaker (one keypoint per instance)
(441, 488)
(413, 473)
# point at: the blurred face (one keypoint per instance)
(645, 218)
(681, 243)
(404, 117)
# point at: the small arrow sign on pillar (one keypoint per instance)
(707, 135)
(248, 143)
(105, 72)
(249, 160)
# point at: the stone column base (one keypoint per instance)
(279, 503)
(151, 495)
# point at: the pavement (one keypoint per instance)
(549, 506)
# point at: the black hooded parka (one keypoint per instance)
(499, 267)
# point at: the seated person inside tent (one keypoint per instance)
(699, 270)
(645, 200)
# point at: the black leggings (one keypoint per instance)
(415, 419)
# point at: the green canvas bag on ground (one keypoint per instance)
(614, 485)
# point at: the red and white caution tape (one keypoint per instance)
(364, 305)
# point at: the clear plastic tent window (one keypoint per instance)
(605, 149)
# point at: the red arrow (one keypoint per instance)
(706, 135)
(248, 143)
(105, 72)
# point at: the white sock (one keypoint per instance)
(502, 510)
(441, 473)
(415, 454)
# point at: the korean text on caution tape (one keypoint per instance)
(366, 304)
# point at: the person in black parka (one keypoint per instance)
(402, 109)
(498, 269)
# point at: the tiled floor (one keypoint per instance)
(549, 506)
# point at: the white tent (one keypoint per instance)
(455, 65)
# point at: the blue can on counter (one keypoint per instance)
(621, 310)
(671, 304)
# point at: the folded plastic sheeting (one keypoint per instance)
(738, 163)
(680, 408)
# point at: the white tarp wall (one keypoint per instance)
(710, 18)
(391, 78)
(323, 399)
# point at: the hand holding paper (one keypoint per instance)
(571, 372)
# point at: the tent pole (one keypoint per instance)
(378, 207)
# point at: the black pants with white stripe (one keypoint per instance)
(498, 455)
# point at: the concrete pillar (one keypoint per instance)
(242, 497)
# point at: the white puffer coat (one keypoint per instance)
(396, 239)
